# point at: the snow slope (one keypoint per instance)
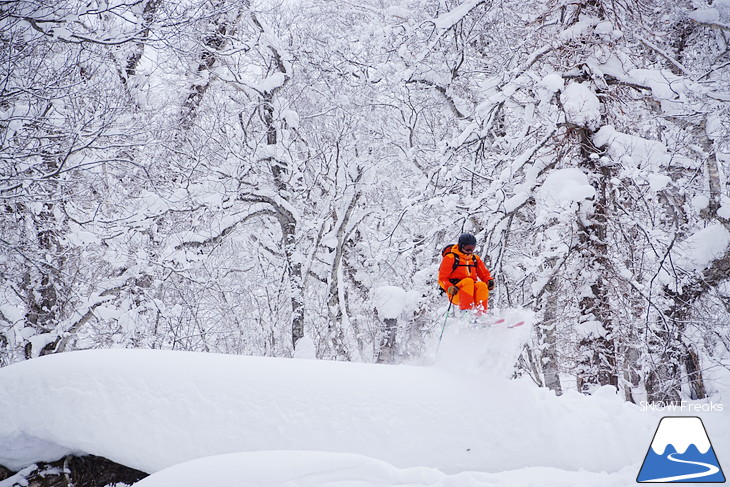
(209, 419)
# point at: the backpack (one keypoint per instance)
(447, 250)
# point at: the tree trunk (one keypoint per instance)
(336, 292)
(280, 171)
(43, 282)
(546, 332)
(693, 369)
(294, 267)
(386, 350)
(214, 41)
(148, 17)
(597, 350)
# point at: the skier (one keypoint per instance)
(464, 277)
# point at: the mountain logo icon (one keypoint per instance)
(681, 452)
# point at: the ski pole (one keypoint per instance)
(446, 319)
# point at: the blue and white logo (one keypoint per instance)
(681, 452)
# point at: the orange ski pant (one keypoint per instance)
(471, 294)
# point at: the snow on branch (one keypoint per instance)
(446, 21)
(285, 211)
(666, 56)
(709, 17)
(281, 58)
(715, 25)
(444, 92)
(70, 330)
(60, 30)
(67, 329)
(218, 238)
(532, 59)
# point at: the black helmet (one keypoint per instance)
(467, 239)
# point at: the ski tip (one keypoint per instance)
(515, 325)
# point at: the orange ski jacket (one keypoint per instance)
(457, 265)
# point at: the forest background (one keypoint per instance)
(237, 176)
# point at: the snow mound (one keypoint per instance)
(150, 409)
(321, 469)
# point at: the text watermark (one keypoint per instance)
(681, 407)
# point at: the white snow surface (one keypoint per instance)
(210, 419)
(322, 469)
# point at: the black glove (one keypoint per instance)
(490, 284)
(452, 290)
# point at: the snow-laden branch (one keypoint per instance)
(67, 329)
(444, 23)
(666, 56)
(444, 92)
(449, 19)
(275, 82)
(81, 318)
(60, 31)
(712, 24)
(542, 282)
(216, 239)
(284, 209)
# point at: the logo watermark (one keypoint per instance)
(680, 452)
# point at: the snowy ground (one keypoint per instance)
(196, 419)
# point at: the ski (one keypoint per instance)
(476, 321)
(504, 320)
(497, 322)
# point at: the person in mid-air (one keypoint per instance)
(463, 275)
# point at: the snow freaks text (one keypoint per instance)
(682, 407)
